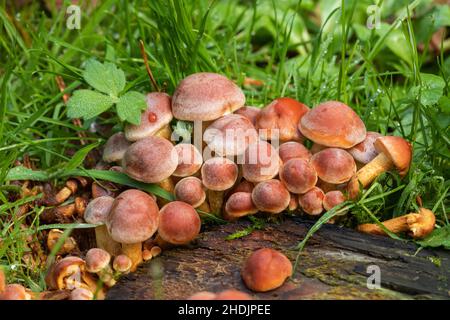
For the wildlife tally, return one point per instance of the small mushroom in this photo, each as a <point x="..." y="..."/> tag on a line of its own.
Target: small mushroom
<point x="122" y="264"/>
<point x="81" y="294"/>
<point x="97" y="262"/>
<point x="14" y="292"/>
<point x="179" y="223"/>
<point x="251" y="113"/>
<point x="365" y="151"/>
<point x="393" y="151"/>
<point x="115" y="148"/>
<point x="202" y="295"/>
<point x="417" y="225"/>
<point x="292" y="150"/>
<point x="190" y="190"/>
<point x="69" y="273"/>
<point x="133" y="218"/>
<point x="53" y="237"/>
<point x="298" y="175"/>
<point x="243" y="186"/>
<point x="271" y="196"/>
<point x="334" y="165"/>
<point x="97" y="212"/>
<point x="261" y="162"/>
<point x="239" y="204"/>
<point x="232" y="294"/>
<point x="189" y="160"/>
<point x="155" y="119"/>
<point x="332" y="199"/>
<point x="218" y="175"/>
<point x="266" y="269"/>
<point x="333" y="124"/>
<point x="312" y="201"/>
<point x="279" y="120"/>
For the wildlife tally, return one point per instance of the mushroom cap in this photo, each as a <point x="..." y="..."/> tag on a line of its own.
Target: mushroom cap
<point x="271" y="196"/>
<point x="98" y="209"/>
<point x="232" y="294"/>
<point x="332" y="199"/>
<point x="261" y="162"/>
<point x="190" y="190"/>
<point x="133" y="218"/>
<point x="230" y="135"/>
<point x="398" y="150"/>
<point x="219" y="174"/>
<point x="291" y="150"/>
<point x="364" y="152"/>
<point x="66" y="267"/>
<point x="243" y="186"/>
<point x="14" y="292"/>
<point x="81" y="294"/>
<point x="122" y="263"/>
<point x="150" y="160"/>
<point x="2" y="280"/>
<point x="334" y="165"/>
<point x="115" y="147"/>
<point x="96" y="260"/>
<point x="280" y="120"/>
<point x="202" y="295"/>
<point x="206" y="96"/>
<point x="422" y="223"/>
<point x="249" y="112"/>
<point x="266" y="269"/>
<point x="179" y="223"/>
<point x="189" y="160"/>
<point x="333" y="124"/>
<point x="316" y="148"/>
<point x="239" y="204"/>
<point x="155" y="117"/>
<point x="298" y="175"/>
<point x="312" y="201"/>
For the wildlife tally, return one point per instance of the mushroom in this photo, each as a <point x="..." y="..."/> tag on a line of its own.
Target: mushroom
<point x="53" y="237"/>
<point x="179" y="223"/>
<point x="14" y="292"/>
<point x="251" y="113"/>
<point x="365" y="151"/>
<point x="279" y="120"/>
<point x="239" y="204"/>
<point x="190" y="190"/>
<point x="293" y="202"/>
<point x="332" y="199"/>
<point x="312" y="201"/>
<point x="333" y="124"/>
<point x="232" y="294"/>
<point x="206" y="96"/>
<point x="230" y="135"/>
<point x="97" y="261"/>
<point x="298" y="175"/>
<point x="115" y="148"/>
<point x="271" y="196"/>
<point x="393" y="151"/>
<point x="189" y="160"/>
<point x="417" y="225"/>
<point x="260" y="162"/>
<point x="133" y="219"/>
<point x="316" y="148"/>
<point x="2" y="280"/>
<point x="155" y="119"/>
<point x="122" y="264"/>
<point x="218" y="175"/>
<point x="202" y="295"/>
<point x="291" y="150"/>
<point x="334" y="165"/>
<point x="81" y="294"/>
<point x="97" y="212"/>
<point x="243" y="186"/>
<point x="266" y="269"/>
<point x="69" y="273"/>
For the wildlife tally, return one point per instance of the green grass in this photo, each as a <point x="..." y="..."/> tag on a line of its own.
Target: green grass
<point x="309" y="50"/>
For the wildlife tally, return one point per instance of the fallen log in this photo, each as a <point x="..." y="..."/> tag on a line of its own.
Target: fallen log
<point x="335" y="264"/>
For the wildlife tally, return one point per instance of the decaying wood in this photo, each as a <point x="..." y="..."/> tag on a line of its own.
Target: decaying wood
<point x="333" y="265"/>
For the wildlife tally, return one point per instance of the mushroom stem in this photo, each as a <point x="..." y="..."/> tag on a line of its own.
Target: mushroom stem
<point x="215" y="199"/>
<point x="105" y="242"/>
<point x="381" y="163"/>
<point x="134" y="252"/>
<point x="418" y="225"/>
<point x="165" y="132"/>
<point x="204" y="207"/>
<point x="167" y="185"/>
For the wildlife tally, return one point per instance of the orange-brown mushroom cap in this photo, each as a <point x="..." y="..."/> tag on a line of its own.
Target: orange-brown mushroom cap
<point x="266" y="269"/>
<point x="98" y="210"/>
<point x="260" y="162"/>
<point x="398" y="150"/>
<point x="96" y="260"/>
<point x="150" y="160"/>
<point x="332" y="199"/>
<point x="230" y="135"/>
<point x="279" y="120"/>
<point x="312" y="201"/>
<point x="122" y="263"/>
<point x="15" y="292"/>
<point x="189" y="160"/>
<point x="155" y="117"/>
<point x="291" y="150"/>
<point x="271" y="196"/>
<point x="115" y="147"/>
<point x="133" y="218"/>
<point x="190" y="190"/>
<point x="365" y="151"/>
<point x="219" y="174"/>
<point x="238" y="205"/>
<point x="333" y="124"/>
<point x="298" y="175"/>
<point x="232" y="294"/>
<point x="251" y="113"/>
<point x="334" y="165"/>
<point x="179" y="223"/>
<point x="206" y="96"/>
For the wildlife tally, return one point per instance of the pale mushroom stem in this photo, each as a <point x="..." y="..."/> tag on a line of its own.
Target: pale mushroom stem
<point x="395" y="225"/>
<point x="105" y="242"/>
<point x="215" y="199"/>
<point x="381" y="163"/>
<point x="134" y="252"/>
<point x="165" y="132"/>
<point x="167" y="185"/>
<point x="204" y="207"/>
